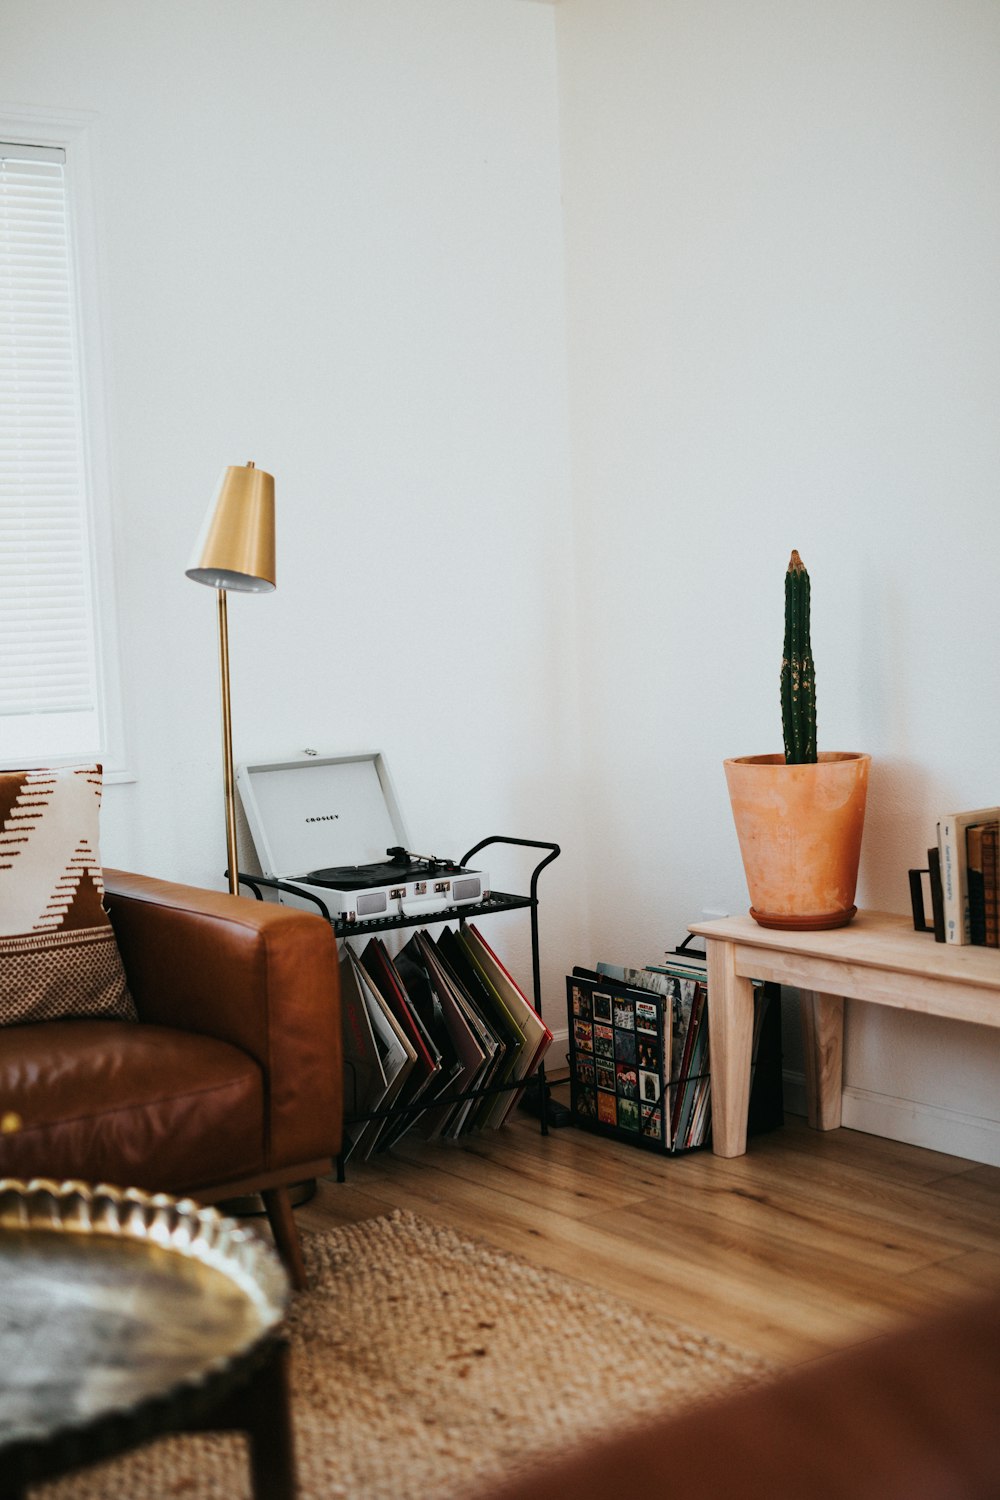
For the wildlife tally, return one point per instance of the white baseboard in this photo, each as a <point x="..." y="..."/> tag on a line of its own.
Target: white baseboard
<point x="927" y="1125"/>
<point x="556" y="1057"/>
<point x="793" y="1089"/>
<point x="948" y="1130"/>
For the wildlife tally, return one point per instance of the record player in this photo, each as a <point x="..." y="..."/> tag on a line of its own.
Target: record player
<point x="331" y="828"/>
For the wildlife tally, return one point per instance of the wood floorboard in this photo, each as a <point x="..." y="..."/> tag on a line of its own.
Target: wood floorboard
<point x="792" y="1230"/>
<point x="980" y="1185"/>
<point x="805" y="1287"/>
<point x="875" y="1218"/>
<point x="978" y="1270"/>
<point x="868" y="1156"/>
<point x="809" y="1242"/>
<point x="532" y="1175"/>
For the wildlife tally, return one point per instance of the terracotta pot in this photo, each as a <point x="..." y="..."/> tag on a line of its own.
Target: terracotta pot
<point x="800" y="830"/>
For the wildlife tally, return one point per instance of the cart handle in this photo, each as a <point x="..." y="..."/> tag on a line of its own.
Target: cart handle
<point x="554" y="852"/>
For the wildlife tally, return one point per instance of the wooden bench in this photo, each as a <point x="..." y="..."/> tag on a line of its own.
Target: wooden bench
<point x="878" y="959"/>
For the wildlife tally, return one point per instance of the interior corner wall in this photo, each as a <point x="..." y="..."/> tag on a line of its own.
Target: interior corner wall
<point x="330" y="240"/>
<point x="783" y="234"/>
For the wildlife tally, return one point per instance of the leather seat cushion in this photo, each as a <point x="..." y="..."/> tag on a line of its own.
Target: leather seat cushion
<point x="134" y="1105"/>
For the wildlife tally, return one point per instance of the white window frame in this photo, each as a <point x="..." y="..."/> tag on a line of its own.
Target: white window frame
<point x="72" y="131"/>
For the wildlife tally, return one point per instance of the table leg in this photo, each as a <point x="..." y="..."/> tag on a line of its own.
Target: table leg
<point x="730" y="1038"/>
<point x="261" y="1408"/>
<point x="823" y="1039"/>
<point x="268" y="1422"/>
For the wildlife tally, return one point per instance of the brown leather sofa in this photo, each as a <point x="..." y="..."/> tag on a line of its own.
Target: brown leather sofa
<point x="230" y="1084"/>
<point x="913" y="1415"/>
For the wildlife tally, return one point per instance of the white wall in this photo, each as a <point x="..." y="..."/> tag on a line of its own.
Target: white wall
<point x="783" y="236"/>
<point x="331" y="241"/>
<point x="332" y="238"/>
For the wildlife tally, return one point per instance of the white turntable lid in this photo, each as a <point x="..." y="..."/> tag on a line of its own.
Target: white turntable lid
<point x="309" y="814"/>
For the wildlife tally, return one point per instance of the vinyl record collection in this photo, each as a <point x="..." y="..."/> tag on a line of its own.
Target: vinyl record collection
<point x="426" y="1028"/>
<point x="639" y="1061"/>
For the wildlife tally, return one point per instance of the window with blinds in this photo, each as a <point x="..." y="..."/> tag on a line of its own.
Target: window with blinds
<point x="49" y="705"/>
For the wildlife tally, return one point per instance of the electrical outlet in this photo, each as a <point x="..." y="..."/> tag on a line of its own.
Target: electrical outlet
<point x="712" y="914"/>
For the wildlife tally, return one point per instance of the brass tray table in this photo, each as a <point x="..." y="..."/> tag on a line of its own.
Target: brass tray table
<point x="125" y="1316"/>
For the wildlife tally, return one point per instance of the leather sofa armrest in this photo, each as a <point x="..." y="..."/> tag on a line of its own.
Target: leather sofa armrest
<point x="263" y="977"/>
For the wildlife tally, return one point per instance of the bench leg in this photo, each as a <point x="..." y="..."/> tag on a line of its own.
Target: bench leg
<point x="730" y="1038"/>
<point x="823" y="1040"/>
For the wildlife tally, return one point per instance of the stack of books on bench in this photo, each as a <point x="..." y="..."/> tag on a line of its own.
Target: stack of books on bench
<point x="963" y="873"/>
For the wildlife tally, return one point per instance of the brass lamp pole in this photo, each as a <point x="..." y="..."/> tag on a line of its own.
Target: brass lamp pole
<point x="235" y="550"/>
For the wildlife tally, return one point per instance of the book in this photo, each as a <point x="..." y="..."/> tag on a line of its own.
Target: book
<point x="677" y="997"/>
<point x="365" y="1081"/>
<point x="465" y="1040"/>
<point x="647" y="979"/>
<point x="690" y="969"/>
<point x="425" y="1003"/>
<point x="474" y="1041"/>
<point x="384" y="980"/>
<point x="678" y="964"/>
<point x="619" y="1058"/>
<point x="475" y="1117"/>
<point x="505" y="1022"/>
<point x="693" y="1071"/>
<point x="455" y="957"/>
<point x="687" y="1019"/>
<point x="701" y="1116"/>
<point x="398" y="1058"/>
<point x="685" y="963"/>
<point x="976" y="885"/>
<point x="937" y="895"/>
<point x="537" y="1036"/>
<point x="991" y="883"/>
<point x="954" y="870"/>
<point x="684" y="1058"/>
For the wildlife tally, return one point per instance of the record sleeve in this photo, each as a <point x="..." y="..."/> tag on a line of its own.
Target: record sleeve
<point x="619" y="1056"/>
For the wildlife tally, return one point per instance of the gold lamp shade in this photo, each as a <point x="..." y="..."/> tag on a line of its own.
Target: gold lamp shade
<point x="236" y="547"/>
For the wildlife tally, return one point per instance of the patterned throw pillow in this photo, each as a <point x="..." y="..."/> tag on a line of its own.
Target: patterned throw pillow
<point x="58" y="955"/>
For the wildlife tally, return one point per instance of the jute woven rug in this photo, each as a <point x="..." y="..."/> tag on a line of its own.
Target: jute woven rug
<point x="427" y="1364"/>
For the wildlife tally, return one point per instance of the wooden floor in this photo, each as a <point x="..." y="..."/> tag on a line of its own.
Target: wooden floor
<point x="810" y="1242"/>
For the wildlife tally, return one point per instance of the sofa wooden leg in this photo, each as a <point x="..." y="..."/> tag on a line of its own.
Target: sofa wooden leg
<point x="286" y="1236"/>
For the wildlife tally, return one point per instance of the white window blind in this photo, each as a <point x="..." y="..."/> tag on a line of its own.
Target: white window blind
<point x="48" y="661"/>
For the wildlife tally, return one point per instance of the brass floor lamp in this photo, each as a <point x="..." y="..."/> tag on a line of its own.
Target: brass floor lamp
<point x="235" y="551"/>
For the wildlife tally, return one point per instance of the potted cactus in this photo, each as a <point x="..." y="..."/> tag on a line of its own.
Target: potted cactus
<point x="799" y="816"/>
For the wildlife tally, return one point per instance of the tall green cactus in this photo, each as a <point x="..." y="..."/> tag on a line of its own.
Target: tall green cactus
<point x="798" y="675"/>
